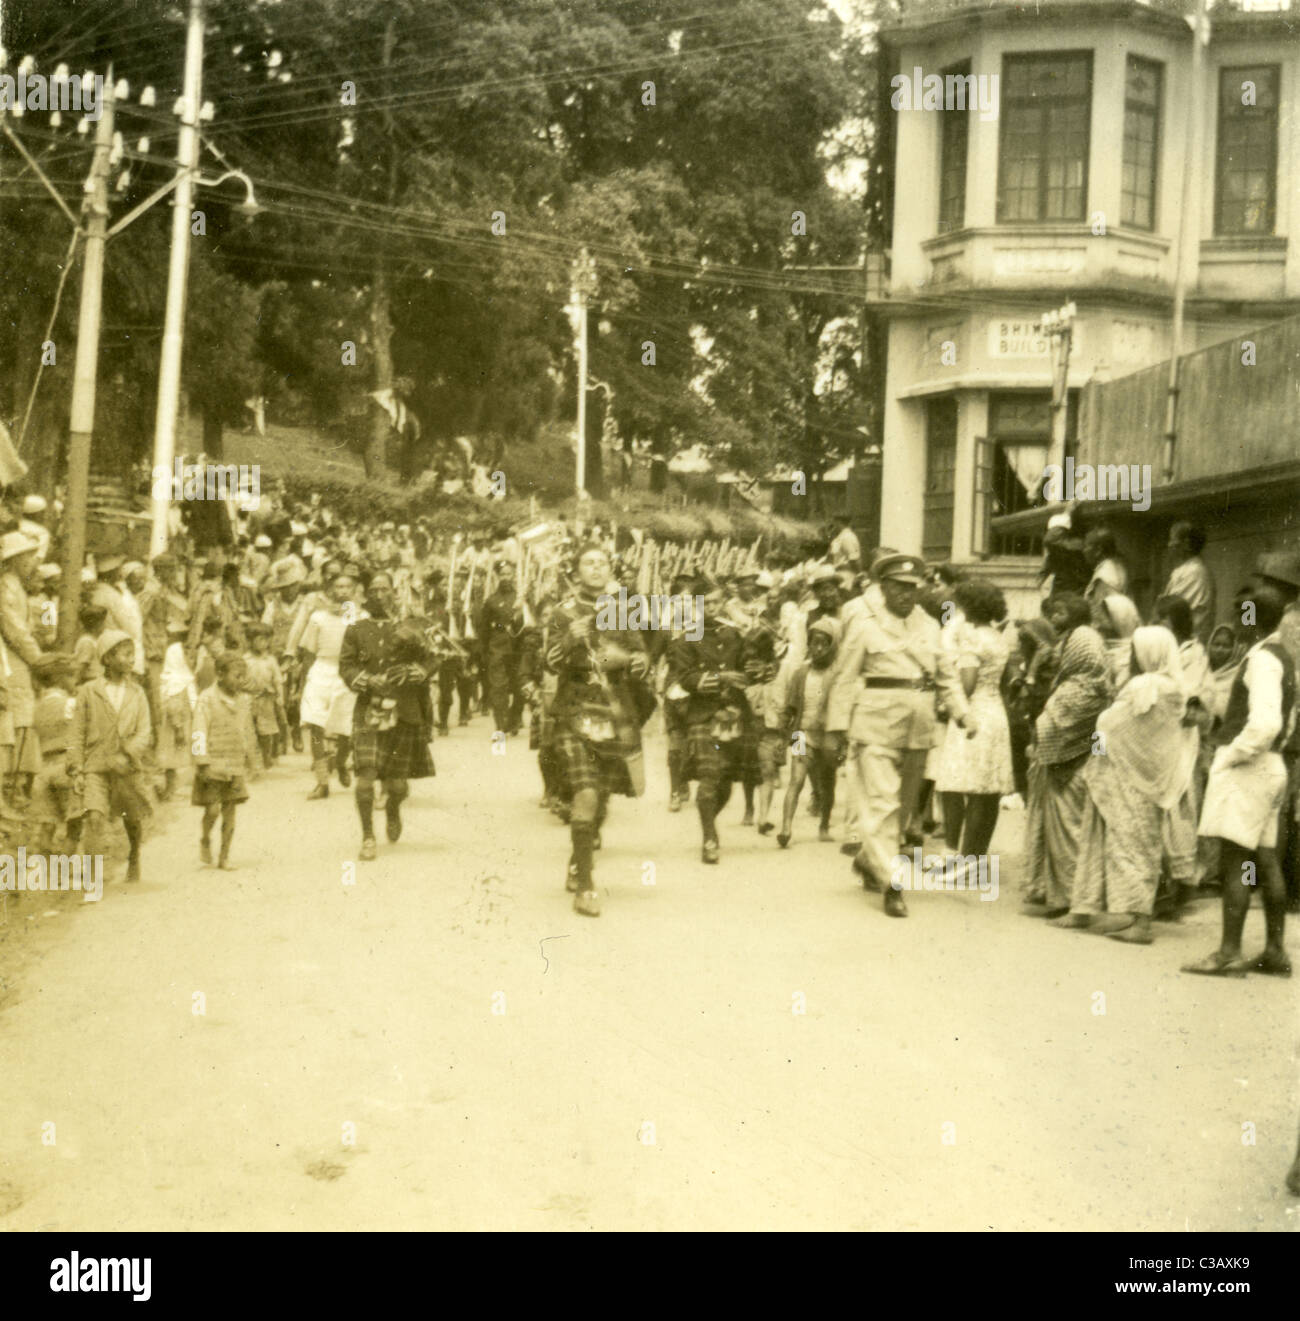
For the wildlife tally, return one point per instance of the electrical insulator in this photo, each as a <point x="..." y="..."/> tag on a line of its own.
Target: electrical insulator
<point x="122" y="89"/>
<point x="147" y="97"/>
<point x="206" y="112"/>
<point x="56" y="118"/>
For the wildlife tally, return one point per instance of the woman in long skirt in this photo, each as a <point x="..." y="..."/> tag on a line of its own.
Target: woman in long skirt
<point x="1138" y="808"/>
<point x="1063" y="742"/>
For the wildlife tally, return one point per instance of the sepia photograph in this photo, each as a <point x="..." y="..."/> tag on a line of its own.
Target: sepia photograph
<point x="649" y="616"/>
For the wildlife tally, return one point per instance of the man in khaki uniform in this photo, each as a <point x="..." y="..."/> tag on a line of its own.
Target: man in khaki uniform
<point x="882" y="700"/>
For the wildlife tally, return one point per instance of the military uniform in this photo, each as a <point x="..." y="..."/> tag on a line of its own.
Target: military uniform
<point x="598" y="710"/>
<point x="716" y="715"/>
<point x="500" y="626"/>
<point x="883" y="699"/>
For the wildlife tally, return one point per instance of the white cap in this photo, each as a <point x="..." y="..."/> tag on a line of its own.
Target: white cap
<point x="34" y="504"/>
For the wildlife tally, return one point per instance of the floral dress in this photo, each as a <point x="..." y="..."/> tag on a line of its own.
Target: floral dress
<point x="979" y="765"/>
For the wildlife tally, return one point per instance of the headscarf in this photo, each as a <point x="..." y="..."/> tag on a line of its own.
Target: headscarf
<point x="1146" y="742"/>
<point x="1123" y="614"/>
<point x="1219" y="684"/>
<point x="1156" y="651"/>
<point x="1079" y="694"/>
<point x="1124" y="619"/>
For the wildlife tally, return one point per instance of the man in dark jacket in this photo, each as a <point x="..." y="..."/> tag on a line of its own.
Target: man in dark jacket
<point x="388" y="664"/>
<point x="711" y="671"/>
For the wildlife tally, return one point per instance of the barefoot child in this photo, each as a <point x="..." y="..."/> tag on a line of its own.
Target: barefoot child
<point x="177" y="694"/>
<point x="806" y="714"/>
<point x="223" y="751"/>
<point x="265" y="690"/>
<point x="52" y="679"/>
<point x="107" y="749"/>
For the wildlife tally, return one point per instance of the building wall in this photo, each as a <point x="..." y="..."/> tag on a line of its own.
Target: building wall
<point x="954" y="291"/>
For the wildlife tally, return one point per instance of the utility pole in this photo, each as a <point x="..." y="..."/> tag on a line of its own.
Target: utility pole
<point x="1188" y="223"/>
<point x="82" y="422"/>
<point x="169" y="372"/>
<point x="584" y="286"/>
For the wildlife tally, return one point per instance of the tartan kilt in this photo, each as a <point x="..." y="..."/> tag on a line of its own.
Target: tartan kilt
<point x="587" y="765"/>
<point x="750" y="738"/>
<point x="712" y="762"/>
<point x="400" y="753"/>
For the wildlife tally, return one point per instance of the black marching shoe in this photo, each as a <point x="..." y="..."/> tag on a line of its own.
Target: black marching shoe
<point x="870" y="881"/>
<point x="894" y="904"/>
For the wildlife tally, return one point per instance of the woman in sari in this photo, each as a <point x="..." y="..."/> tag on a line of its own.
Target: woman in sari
<point x="1063" y="742"/>
<point x="1138" y="808"/>
<point x="1115" y="618"/>
<point x="1224" y="654"/>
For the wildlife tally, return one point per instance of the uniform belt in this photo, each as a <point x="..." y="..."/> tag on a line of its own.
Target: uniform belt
<point x="923" y="684"/>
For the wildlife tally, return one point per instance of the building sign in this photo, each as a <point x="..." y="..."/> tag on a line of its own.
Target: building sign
<point x="1011" y="338"/>
<point x="1010" y="262"/>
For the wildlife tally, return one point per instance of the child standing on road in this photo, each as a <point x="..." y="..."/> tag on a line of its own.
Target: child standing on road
<point x="107" y="750"/>
<point x="224" y="747"/>
<point x="177" y="694"/>
<point x="265" y="690"/>
<point x="52" y="721"/>
<point x="806" y="715"/>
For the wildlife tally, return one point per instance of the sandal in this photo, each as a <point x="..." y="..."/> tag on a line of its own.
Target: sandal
<point x="1071" y="921"/>
<point x="1133" y="935"/>
<point x="1215" y="965"/>
<point x="587" y="902"/>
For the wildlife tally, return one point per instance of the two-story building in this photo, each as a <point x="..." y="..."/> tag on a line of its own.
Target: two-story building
<point x="1065" y="182"/>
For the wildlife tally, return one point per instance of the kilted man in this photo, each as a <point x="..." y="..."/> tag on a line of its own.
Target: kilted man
<point x="709" y="670"/>
<point x="683" y="587"/>
<point x="601" y="701"/>
<point x="882" y="699"/>
<point x="1246" y="791"/>
<point x="388" y="665"/>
